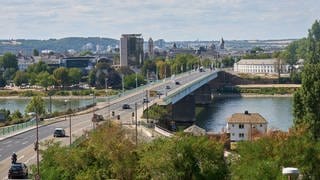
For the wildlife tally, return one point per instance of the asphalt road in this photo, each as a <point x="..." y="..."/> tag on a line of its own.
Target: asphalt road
<point x="24" y="142"/>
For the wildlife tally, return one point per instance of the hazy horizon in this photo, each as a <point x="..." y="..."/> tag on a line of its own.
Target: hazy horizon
<point x="172" y="20"/>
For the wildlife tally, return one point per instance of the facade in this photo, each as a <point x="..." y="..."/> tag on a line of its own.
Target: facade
<point x="83" y="63"/>
<point x="131" y="50"/>
<point x="150" y="48"/>
<point x="259" y="66"/>
<point x="246" y="126"/>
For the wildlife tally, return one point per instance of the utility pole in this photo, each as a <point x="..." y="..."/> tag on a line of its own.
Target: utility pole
<point x="122" y="79"/>
<point x="37" y="149"/>
<point x="136" y="118"/>
<point x="70" y="122"/>
<point x="147" y="106"/>
<point x="136" y="81"/>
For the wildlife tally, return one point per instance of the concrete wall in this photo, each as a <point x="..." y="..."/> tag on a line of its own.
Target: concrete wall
<point x="184" y="110"/>
<point x="202" y="95"/>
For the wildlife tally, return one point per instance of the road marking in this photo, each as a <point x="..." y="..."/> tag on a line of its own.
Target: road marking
<point x="20" y="157"/>
<point x="7" y="142"/>
<point x="27" y="161"/>
<point x="25" y="142"/>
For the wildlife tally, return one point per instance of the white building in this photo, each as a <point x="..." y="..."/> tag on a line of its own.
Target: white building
<point x="259" y="66"/>
<point x="246" y="126"/>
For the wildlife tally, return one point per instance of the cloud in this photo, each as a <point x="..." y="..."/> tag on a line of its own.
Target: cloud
<point x="168" y="19"/>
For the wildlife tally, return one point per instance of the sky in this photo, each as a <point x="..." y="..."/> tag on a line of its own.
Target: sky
<point x="172" y="20"/>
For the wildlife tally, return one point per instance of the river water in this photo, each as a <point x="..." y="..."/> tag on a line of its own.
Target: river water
<point x="276" y="110"/>
<point x="57" y="104"/>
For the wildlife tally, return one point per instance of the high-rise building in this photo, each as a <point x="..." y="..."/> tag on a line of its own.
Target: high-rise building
<point x="150" y="47"/>
<point x="131" y="50"/>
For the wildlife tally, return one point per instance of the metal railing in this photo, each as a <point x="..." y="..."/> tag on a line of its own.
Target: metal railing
<point x="16" y="127"/>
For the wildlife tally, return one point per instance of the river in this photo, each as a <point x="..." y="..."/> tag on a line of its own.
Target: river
<point x="276" y="110"/>
<point x="57" y="104"/>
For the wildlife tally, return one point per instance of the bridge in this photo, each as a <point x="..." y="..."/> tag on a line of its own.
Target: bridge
<point x="182" y="101"/>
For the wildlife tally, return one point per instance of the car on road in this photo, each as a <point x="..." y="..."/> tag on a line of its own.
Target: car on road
<point x="59" y="132"/>
<point x="177" y="83"/>
<point x="145" y="100"/>
<point x="125" y="106"/>
<point x="18" y="170"/>
<point x="168" y="87"/>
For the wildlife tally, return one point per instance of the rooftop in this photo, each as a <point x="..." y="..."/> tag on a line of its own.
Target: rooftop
<point x="247" y="118"/>
<point x="257" y="61"/>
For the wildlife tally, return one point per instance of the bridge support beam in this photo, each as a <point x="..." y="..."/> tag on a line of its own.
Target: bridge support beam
<point x="203" y="95"/>
<point x="183" y="112"/>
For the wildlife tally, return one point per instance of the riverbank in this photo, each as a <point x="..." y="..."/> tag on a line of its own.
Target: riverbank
<point x="53" y="97"/>
<point x="232" y="95"/>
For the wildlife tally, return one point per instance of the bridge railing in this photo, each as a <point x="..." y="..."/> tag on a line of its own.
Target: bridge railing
<point x="16" y="127"/>
<point x="168" y="99"/>
<point x="131" y="91"/>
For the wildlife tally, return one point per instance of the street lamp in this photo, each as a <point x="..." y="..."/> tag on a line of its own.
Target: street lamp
<point x="36" y="147"/>
<point x="66" y="101"/>
<point x="93" y="109"/>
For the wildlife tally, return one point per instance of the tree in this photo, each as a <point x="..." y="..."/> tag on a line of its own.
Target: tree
<point x="38" y="67"/>
<point x="74" y="75"/>
<point x="130" y="81"/>
<point x="182" y="157"/>
<point x="306" y="100"/>
<point x="35" y="52"/>
<point x="9" y="60"/>
<point x="20" y="78"/>
<point x="314" y="43"/>
<point x="36" y="105"/>
<point x="60" y="75"/>
<point x="6" y="114"/>
<point x="2" y="82"/>
<point x="45" y="80"/>
<point x="16" y="115"/>
<point x="9" y="73"/>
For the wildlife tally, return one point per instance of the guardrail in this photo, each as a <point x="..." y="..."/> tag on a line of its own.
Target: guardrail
<point x="11" y="129"/>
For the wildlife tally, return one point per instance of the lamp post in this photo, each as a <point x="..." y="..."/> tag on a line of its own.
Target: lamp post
<point x="36" y="146"/>
<point x="66" y="101"/>
<point x="93" y="108"/>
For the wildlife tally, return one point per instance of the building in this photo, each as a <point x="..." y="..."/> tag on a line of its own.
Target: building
<point x="246" y="126"/>
<point x="150" y="48"/>
<point x="131" y="50"/>
<point x="83" y="63"/>
<point x="260" y="66"/>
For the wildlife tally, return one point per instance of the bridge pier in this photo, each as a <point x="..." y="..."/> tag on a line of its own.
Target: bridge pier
<point x="203" y="95"/>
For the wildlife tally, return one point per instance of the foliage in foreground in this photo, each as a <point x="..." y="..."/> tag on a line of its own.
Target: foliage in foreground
<point x="110" y="154"/>
<point x="264" y="158"/>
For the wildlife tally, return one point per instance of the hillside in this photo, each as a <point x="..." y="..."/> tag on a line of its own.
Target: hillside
<point x="58" y="45"/>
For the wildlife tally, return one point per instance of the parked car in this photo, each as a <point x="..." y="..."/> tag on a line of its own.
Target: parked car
<point x="126" y="106"/>
<point x="59" y="132"/>
<point x="18" y="170"/>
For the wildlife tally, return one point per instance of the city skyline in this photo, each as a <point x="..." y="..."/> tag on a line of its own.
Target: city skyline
<point x="173" y="20"/>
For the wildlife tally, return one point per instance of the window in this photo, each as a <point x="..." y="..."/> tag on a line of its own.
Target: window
<point x="232" y="134"/>
<point x="241" y="135"/>
<point x="232" y="125"/>
<point x="241" y="126"/>
<point x="260" y="125"/>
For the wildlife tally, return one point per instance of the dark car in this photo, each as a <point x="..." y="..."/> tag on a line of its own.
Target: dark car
<point x="168" y="87"/>
<point x="126" y="106"/>
<point x="59" y="132"/>
<point x="145" y="100"/>
<point x="177" y="83"/>
<point x="18" y="170"/>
